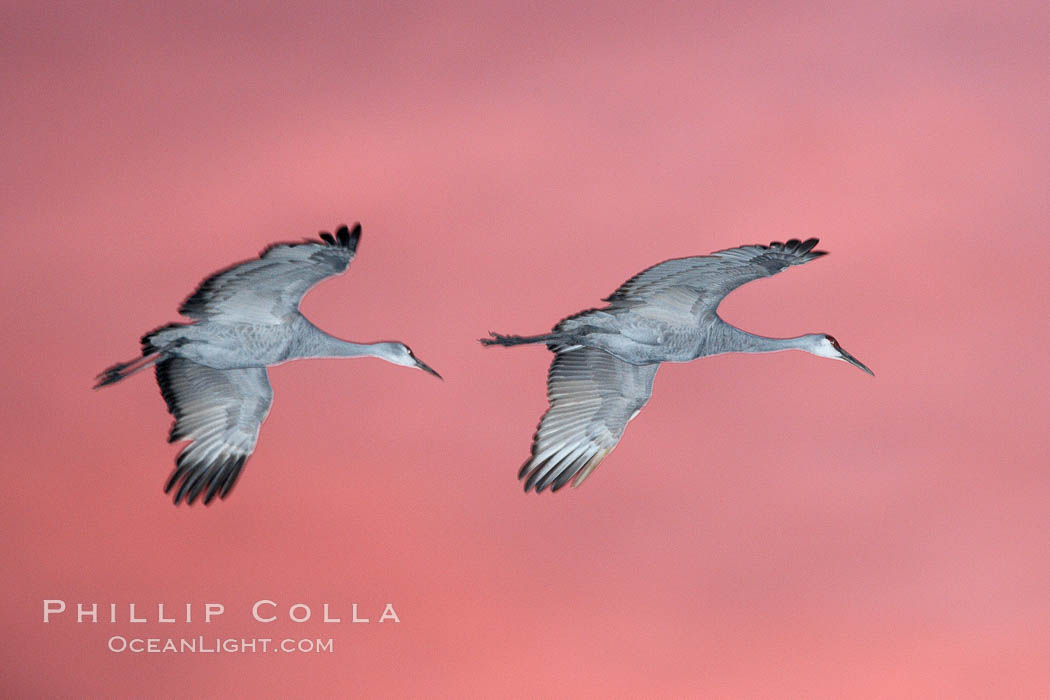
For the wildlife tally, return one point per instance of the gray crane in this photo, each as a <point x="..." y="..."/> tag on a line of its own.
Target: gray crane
<point x="212" y="373"/>
<point x="605" y="359"/>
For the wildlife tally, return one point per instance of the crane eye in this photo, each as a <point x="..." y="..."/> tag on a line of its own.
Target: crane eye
<point x="832" y="340"/>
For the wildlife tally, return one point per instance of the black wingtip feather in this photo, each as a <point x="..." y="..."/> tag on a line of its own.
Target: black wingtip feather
<point x="349" y="237"/>
<point x="799" y="248"/>
<point x="198" y="485"/>
<point x="327" y="238"/>
<point x="217" y="477"/>
<point x="163" y="370"/>
<point x="203" y="480"/>
<point x="231" y="477"/>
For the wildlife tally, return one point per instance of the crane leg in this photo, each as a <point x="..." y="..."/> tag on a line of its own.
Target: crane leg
<point x="123" y="370"/>
<point x="508" y="340"/>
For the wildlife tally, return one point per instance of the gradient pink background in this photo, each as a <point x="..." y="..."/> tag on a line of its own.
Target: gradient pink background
<point x="770" y="526"/>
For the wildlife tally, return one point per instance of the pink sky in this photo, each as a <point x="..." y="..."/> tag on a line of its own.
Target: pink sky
<point x="769" y="526"/>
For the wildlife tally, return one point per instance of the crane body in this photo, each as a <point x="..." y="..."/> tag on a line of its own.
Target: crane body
<point x="606" y="358"/>
<point x="212" y="371"/>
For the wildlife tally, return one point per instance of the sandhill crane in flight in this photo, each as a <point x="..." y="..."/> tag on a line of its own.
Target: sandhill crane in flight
<point x="605" y="359"/>
<point x="212" y="373"/>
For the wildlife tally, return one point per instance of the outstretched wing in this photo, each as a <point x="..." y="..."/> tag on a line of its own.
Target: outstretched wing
<point x="267" y="289"/>
<point x="220" y="411"/>
<point x="698" y="284"/>
<point x="592" y="397"/>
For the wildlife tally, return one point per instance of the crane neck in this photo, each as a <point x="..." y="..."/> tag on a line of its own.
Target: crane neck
<point x="737" y="340"/>
<point x="311" y="342"/>
<point x="330" y="346"/>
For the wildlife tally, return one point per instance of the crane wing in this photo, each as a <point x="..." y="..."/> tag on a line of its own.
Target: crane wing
<point x="268" y="288"/>
<point x="220" y="411"/>
<point x="698" y="284"/>
<point x="592" y="397"/>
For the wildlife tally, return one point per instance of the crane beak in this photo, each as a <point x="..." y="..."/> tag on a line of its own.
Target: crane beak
<point x="427" y="368"/>
<point x="854" y="361"/>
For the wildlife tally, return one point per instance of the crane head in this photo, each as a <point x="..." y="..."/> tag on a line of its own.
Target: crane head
<point x="826" y="346"/>
<point x="401" y="354"/>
